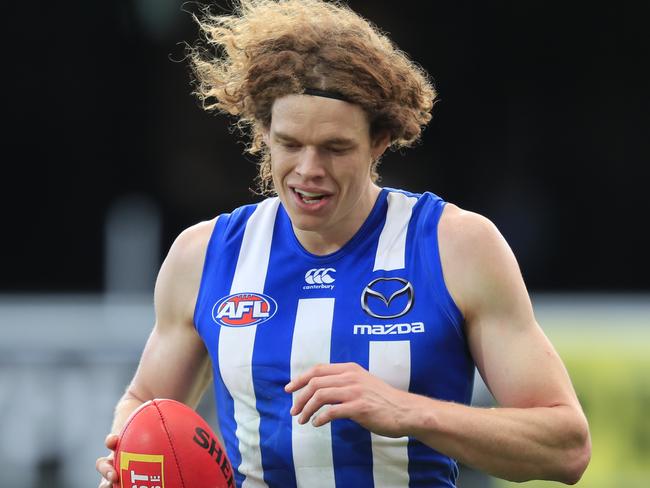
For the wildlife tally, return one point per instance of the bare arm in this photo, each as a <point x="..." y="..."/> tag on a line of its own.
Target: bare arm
<point x="174" y="363"/>
<point x="538" y="432"/>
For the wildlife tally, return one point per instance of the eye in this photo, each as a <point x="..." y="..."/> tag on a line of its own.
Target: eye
<point x="338" y="150"/>
<point x="291" y="146"/>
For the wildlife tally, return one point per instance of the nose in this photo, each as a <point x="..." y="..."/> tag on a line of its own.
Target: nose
<point x="310" y="164"/>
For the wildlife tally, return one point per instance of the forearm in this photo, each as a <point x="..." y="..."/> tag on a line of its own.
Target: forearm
<point x="512" y="443"/>
<point x="125" y="406"/>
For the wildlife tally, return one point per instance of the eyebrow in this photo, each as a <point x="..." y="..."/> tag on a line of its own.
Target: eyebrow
<point x="337" y="140"/>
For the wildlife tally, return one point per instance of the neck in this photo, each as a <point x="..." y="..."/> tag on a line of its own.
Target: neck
<point x="329" y="240"/>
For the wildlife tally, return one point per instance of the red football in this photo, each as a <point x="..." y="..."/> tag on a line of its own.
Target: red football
<point x="166" y="444"/>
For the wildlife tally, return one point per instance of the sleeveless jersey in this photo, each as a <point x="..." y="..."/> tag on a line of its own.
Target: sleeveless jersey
<point x="268" y="310"/>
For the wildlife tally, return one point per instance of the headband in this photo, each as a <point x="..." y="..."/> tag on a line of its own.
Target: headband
<point x="315" y="92"/>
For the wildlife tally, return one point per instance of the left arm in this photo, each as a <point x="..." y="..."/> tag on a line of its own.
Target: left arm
<point x="539" y="432"/>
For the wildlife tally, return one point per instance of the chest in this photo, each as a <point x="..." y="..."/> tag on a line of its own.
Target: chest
<point x="341" y="311"/>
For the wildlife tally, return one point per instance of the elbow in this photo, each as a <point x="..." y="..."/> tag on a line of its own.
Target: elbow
<point x="578" y="465"/>
<point x="578" y="455"/>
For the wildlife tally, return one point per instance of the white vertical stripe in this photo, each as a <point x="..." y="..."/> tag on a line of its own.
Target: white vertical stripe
<point x="312" y="446"/>
<point x="390" y="361"/>
<point x="236" y="343"/>
<point x="255" y="249"/>
<point x="391" y="249"/>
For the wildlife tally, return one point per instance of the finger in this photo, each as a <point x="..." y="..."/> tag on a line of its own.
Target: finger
<point x="105" y="483"/>
<point x="339" y="411"/>
<point x="316" y="371"/>
<point x="325" y="396"/>
<point x="104" y="466"/>
<point x="313" y="386"/>
<point x="111" y="441"/>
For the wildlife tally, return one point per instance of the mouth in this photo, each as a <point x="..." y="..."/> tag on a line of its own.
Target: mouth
<point x="308" y="197"/>
<point x="310" y="200"/>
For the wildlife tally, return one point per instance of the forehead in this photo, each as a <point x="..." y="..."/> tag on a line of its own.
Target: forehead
<point x="320" y="117"/>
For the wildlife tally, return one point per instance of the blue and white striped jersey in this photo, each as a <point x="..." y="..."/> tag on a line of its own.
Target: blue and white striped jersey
<point x="268" y="310"/>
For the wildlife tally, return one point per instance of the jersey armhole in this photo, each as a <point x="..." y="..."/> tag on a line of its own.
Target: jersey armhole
<point x="446" y="301"/>
<point x="209" y="252"/>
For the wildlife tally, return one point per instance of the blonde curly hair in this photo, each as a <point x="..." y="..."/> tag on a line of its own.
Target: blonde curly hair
<point x="271" y="48"/>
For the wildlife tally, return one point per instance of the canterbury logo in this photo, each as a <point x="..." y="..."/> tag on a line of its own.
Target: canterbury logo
<point x="320" y="276"/>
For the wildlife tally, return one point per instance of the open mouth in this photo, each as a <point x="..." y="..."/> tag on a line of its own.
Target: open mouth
<point x="308" y="197"/>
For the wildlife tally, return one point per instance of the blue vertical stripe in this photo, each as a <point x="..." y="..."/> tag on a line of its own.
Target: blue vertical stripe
<point x="226" y="418"/>
<point x="352" y="449"/>
<point x="219" y="268"/>
<point x="271" y="367"/>
<point x="441" y="365"/>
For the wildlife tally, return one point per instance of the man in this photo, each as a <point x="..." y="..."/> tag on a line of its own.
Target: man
<point x="341" y="321"/>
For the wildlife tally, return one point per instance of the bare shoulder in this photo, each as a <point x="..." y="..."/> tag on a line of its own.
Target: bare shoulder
<point x="188" y="250"/>
<point x="462" y="227"/>
<point x="479" y="266"/>
<point x="175" y="362"/>
<point x="180" y="274"/>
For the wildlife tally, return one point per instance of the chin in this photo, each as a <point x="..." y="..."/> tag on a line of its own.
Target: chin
<point x="306" y="223"/>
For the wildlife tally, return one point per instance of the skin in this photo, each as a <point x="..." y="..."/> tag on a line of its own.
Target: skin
<point x="540" y="430"/>
<point x="174" y="363"/>
<point x="323" y="146"/>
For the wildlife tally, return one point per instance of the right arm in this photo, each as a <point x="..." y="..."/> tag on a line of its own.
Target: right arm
<point x="174" y="363"/>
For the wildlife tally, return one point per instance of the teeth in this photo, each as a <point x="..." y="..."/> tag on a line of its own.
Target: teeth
<point x="308" y="193"/>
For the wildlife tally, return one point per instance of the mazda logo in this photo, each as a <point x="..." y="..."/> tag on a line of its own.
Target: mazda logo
<point x="368" y="291"/>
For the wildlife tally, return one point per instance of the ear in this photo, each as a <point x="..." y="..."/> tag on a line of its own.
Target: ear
<point x="379" y="144"/>
<point x="266" y="136"/>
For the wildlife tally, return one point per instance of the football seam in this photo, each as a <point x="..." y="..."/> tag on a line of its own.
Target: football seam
<point x="178" y="465"/>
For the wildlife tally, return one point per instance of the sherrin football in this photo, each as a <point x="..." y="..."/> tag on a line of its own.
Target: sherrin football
<point x="166" y="444"/>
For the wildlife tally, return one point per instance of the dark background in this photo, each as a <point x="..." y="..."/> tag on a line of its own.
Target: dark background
<point x="543" y="126"/>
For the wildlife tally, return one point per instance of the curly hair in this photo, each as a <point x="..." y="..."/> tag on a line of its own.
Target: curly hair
<point x="271" y="48"/>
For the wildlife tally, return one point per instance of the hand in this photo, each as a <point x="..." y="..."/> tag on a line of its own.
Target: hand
<point x="353" y="393"/>
<point x="104" y="465"/>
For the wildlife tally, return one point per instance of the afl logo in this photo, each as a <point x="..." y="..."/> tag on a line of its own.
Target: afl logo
<point x="244" y="309"/>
